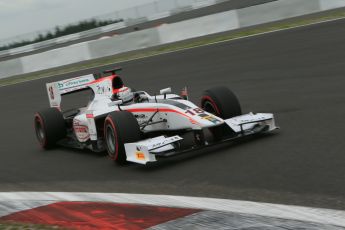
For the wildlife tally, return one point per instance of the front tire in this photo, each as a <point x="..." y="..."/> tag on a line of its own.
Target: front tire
<point x="223" y="103"/>
<point x="120" y="128"/>
<point x="49" y="127"/>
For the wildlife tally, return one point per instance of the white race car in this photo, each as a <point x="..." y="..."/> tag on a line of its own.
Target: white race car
<point x="137" y="127"/>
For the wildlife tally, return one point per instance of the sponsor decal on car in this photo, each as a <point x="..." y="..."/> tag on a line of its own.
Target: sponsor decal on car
<point x="140" y="116"/>
<point x="140" y="156"/>
<point x="51" y="93"/>
<point x="73" y="83"/>
<point x="209" y="118"/>
<point x="201" y="113"/>
<point x="103" y="89"/>
<point x="81" y="131"/>
<point x="165" y="142"/>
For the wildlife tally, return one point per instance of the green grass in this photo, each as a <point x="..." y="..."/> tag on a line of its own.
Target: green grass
<point x="172" y="47"/>
<point x="22" y="226"/>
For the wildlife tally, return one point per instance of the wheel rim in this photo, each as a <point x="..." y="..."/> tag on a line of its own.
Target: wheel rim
<point x="111" y="141"/>
<point x="39" y="130"/>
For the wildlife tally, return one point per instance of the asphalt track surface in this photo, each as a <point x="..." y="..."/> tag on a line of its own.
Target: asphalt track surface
<point x="297" y="74"/>
<point x="217" y="8"/>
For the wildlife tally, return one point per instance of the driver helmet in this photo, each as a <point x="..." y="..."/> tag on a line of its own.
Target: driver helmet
<point x="125" y="94"/>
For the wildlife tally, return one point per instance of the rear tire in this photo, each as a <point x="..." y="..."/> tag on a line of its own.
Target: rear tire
<point x="49" y="127"/>
<point x="223" y="103"/>
<point x="120" y="128"/>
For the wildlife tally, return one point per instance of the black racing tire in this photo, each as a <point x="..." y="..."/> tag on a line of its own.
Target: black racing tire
<point x="49" y="127"/>
<point x="223" y="103"/>
<point x="120" y="128"/>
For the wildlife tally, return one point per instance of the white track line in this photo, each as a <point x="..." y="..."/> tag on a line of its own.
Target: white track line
<point x="13" y="206"/>
<point x="194" y="47"/>
<point x="316" y="215"/>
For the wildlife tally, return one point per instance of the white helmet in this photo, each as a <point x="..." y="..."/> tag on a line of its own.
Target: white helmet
<point x="125" y="94"/>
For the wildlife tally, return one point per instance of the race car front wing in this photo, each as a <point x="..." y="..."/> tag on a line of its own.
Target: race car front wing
<point x="145" y="151"/>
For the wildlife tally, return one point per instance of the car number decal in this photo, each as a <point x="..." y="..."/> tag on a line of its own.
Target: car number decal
<point x="201" y="113"/>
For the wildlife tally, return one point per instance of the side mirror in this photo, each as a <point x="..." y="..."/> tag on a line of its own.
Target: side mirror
<point x="144" y="97"/>
<point x="165" y="91"/>
<point x="115" y="103"/>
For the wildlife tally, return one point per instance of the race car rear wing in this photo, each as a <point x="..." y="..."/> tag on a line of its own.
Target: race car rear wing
<point x="57" y="89"/>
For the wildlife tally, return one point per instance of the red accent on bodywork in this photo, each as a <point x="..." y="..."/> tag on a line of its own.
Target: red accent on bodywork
<point x="164" y="111"/>
<point x="89" y="116"/>
<point x="123" y="89"/>
<point x="102" y="79"/>
<point x="97" y="215"/>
